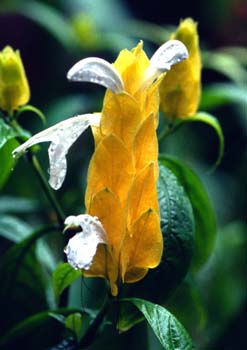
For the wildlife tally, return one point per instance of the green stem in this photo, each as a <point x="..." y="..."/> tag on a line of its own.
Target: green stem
<point x="169" y="129"/>
<point x="92" y="330"/>
<point x="36" y="166"/>
<point x="39" y="172"/>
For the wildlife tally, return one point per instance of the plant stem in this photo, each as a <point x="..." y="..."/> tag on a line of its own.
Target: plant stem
<point x="38" y="170"/>
<point x="92" y="330"/>
<point x="35" y="163"/>
<point x="168" y="130"/>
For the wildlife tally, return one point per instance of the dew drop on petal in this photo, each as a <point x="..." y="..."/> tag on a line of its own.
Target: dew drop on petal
<point x="96" y="70"/>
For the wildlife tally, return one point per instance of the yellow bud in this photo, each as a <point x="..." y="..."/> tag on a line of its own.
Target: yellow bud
<point x="180" y="89"/>
<point x="14" y="88"/>
<point x="85" y="30"/>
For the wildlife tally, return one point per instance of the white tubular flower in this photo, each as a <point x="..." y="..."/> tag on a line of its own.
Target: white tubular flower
<point x="62" y="136"/>
<point x="96" y="70"/>
<point x="81" y="249"/>
<point x="167" y="55"/>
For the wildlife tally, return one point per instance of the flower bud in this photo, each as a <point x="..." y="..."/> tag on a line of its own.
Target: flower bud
<point x="180" y="89"/>
<point x="14" y="88"/>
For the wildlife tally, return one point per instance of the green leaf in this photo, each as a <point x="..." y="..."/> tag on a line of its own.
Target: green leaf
<point x="62" y="277"/>
<point x="205" y="226"/>
<point x="74" y="323"/>
<point x="177" y="225"/>
<point x="13" y="228"/>
<point x="166" y="327"/>
<point x="213" y="122"/>
<point x="13" y="204"/>
<point x="129" y="316"/>
<point x="186" y="298"/>
<point x="33" y="109"/>
<point x="23" y="283"/>
<point x="225" y="64"/>
<point x="7" y="145"/>
<point x="7" y="161"/>
<point x="7" y="132"/>
<point x="222" y="94"/>
<point x="34" y="322"/>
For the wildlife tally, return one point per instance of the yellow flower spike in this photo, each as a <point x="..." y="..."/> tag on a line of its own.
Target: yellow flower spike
<point x="14" y="88"/>
<point x="180" y="89"/>
<point x="122" y="224"/>
<point x="121" y="189"/>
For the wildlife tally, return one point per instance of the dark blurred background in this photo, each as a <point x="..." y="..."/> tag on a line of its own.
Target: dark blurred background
<point x="53" y="35"/>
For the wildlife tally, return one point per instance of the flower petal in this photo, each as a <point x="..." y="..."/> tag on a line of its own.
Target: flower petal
<point x="62" y="136"/>
<point x="168" y="54"/>
<point x="96" y="70"/>
<point x="81" y="249"/>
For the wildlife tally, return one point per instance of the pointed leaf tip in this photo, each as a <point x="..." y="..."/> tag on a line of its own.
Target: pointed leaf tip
<point x="170" y="332"/>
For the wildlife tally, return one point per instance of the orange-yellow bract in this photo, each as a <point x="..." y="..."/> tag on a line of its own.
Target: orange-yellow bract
<point x="121" y="189"/>
<point x="180" y="89"/>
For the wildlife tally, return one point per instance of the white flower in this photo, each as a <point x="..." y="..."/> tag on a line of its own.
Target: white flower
<point x="62" y="136"/>
<point x="81" y="249"/>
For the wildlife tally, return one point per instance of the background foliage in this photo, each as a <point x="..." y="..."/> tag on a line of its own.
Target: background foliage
<point x="209" y="300"/>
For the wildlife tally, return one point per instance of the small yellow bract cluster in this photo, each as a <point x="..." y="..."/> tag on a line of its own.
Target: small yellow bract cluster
<point x="14" y="88"/>
<point x="180" y="90"/>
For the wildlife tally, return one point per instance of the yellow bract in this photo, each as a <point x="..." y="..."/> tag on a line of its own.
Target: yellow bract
<point x="14" y="88"/>
<point x="121" y="189"/>
<point x="180" y="89"/>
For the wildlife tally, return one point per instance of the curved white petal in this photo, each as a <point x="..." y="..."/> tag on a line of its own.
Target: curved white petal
<point x="167" y="55"/>
<point x="62" y="136"/>
<point x="81" y="249"/>
<point x="96" y="70"/>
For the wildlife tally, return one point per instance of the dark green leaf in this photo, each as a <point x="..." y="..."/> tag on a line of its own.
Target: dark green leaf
<point x="166" y="327"/>
<point x="205" y="226"/>
<point x="34" y="322"/>
<point x="23" y="282"/>
<point x="62" y="277"/>
<point x="213" y="122"/>
<point x="74" y="323"/>
<point x="177" y="225"/>
<point x="129" y="316"/>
